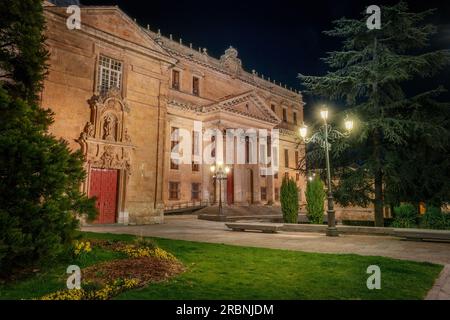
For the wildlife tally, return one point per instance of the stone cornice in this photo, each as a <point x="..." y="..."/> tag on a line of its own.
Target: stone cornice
<point x="58" y="16"/>
<point x="227" y="106"/>
<point x="207" y="61"/>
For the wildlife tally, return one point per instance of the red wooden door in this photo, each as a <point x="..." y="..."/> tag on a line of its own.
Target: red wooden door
<point x="230" y="187"/>
<point x="103" y="185"/>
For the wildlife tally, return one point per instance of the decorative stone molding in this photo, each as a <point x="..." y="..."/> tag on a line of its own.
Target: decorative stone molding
<point x="230" y="61"/>
<point x="105" y="140"/>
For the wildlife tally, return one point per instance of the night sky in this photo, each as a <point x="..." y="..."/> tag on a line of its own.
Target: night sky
<point x="276" y="38"/>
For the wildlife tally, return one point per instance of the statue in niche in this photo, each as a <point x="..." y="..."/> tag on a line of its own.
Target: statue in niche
<point x="89" y="129"/>
<point x="109" y="128"/>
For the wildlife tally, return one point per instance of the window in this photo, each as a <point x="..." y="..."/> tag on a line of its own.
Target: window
<point x="195" y="86"/>
<point x="176" y="79"/>
<point x="264" y="193"/>
<point x="295" y="118"/>
<point x="109" y="74"/>
<point x="195" y="191"/>
<point x="286" y="158"/>
<point x="277" y="194"/>
<point x="195" y="167"/>
<point x="247" y="150"/>
<point x="286" y="175"/>
<point x="272" y="106"/>
<point x="174" y="190"/>
<point x="284" y="115"/>
<point x="174" y="147"/>
<point x="213" y="146"/>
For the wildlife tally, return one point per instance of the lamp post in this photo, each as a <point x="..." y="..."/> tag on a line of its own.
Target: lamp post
<point x="220" y="173"/>
<point x="322" y="137"/>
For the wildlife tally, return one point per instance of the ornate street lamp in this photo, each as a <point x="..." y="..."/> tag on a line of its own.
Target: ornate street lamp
<point x="322" y="138"/>
<point x="220" y="173"/>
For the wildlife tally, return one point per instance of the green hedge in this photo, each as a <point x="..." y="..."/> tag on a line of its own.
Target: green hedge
<point x="289" y="201"/>
<point x="315" y="201"/>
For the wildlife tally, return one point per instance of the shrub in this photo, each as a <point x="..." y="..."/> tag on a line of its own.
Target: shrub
<point x="40" y="176"/>
<point x="39" y="188"/>
<point x="109" y="291"/>
<point x="289" y="201"/>
<point x="145" y="242"/>
<point x="405" y="216"/>
<point x="315" y="198"/>
<point x="434" y="218"/>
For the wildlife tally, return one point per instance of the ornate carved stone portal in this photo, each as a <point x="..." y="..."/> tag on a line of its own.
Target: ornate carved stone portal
<point x="105" y="141"/>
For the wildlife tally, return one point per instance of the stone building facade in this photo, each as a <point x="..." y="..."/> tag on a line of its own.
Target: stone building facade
<point x="121" y="93"/>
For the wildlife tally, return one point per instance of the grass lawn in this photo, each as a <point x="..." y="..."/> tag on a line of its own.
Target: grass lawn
<point x="217" y="271"/>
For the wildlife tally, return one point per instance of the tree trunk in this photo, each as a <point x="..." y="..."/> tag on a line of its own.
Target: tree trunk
<point x="379" y="214"/>
<point x="378" y="202"/>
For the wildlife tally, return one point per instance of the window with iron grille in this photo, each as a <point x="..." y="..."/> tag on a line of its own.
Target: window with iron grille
<point x="109" y="74"/>
<point x="174" y="147"/>
<point x="195" y="191"/>
<point x="195" y="86"/>
<point x="174" y="190"/>
<point x="264" y="193"/>
<point x="176" y="79"/>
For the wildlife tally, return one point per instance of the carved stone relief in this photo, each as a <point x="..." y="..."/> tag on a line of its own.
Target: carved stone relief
<point x="105" y="140"/>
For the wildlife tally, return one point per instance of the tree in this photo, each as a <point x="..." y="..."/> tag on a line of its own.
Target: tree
<point x="40" y="177"/>
<point x="370" y="73"/>
<point x="289" y="200"/>
<point x="315" y="200"/>
<point x="22" y="54"/>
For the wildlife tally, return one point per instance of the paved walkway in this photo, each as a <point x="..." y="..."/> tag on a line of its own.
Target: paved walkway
<point x="192" y="229"/>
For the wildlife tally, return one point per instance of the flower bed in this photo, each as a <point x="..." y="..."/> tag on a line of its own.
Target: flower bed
<point x="143" y="263"/>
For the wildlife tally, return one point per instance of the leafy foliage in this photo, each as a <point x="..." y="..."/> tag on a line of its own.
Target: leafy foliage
<point x="434" y="218"/>
<point x="405" y="216"/>
<point x="22" y="55"/>
<point x="315" y="199"/>
<point x="40" y="177"/>
<point x="397" y="134"/>
<point x="289" y="200"/>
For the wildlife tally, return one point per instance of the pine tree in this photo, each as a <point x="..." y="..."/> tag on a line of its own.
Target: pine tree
<point x="40" y="177"/>
<point x="369" y="73"/>
<point x="22" y="55"/>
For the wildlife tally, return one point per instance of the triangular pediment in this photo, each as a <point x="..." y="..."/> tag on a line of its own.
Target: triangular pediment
<point x="112" y="20"/>
<point x="248" y="104"/>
